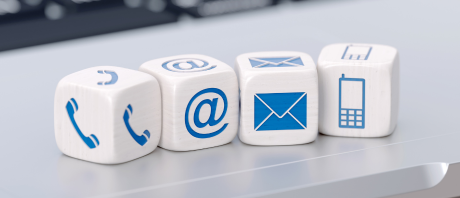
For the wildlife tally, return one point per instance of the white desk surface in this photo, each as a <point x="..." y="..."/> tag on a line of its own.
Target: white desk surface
<point x="416" y="156"/>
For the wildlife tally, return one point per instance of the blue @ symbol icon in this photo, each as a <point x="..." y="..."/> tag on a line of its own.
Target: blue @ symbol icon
<point x="187" y="65"/>
<point x="211" y="121"/>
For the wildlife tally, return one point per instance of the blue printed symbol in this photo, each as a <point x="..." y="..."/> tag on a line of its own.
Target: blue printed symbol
<point x="357" y="52"/>
<point x="72" y="107"/>
<point x="140" y="139"/>
<point x="351" y="102"/>
<point x="112" y="81"/>
<point x="212" y="117"/>
<point x="280" y="111"/>
<point x="276" y="62"/>
<point x="187" y="65"/>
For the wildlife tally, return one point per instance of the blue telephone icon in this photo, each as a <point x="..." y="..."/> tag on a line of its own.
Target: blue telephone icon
<point x="112" y="81"/>
<point x="140" y="139"/>
<point x="91" y="141"/>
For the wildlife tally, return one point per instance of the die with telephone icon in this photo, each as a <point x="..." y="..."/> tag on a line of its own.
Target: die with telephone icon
<point x="95" y="118"/>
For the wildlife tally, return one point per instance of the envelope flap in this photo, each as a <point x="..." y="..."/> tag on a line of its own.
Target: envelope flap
<point x="289" y="61"/>
<point x="280" y="102"/>
<point x="275" y="60"/>
<point x="255" y="62"/>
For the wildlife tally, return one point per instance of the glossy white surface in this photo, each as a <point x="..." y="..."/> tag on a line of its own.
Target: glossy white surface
<point x="200" y="101"/>
<point x="377" y="185"/>
<point x="94" y="103"/>
<point x="293" y="77"/>
<point x="427" y="131"/>
<point x="359" y="90"/>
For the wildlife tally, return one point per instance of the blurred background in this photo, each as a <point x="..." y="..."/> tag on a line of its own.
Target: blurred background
<point x="32" y="22"/>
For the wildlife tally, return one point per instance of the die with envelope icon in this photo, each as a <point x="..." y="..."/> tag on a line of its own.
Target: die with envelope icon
<point x="278" y="98"/>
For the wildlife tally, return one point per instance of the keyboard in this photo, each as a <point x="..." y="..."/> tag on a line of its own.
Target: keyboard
<point x="32" y="22"/>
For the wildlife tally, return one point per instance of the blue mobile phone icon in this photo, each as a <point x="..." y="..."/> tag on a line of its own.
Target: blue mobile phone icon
<point x="357" y="52"/>
<point x="140" y="139"/>
<point x="91" y="141"/>
<point x="352" y="102"/>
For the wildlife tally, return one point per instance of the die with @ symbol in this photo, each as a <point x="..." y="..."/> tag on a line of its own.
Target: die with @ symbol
<point x="279" y="98"/>
<point x="359" y="90"/>
<point x="200" y="101"/>
<point x="107" y="114"/>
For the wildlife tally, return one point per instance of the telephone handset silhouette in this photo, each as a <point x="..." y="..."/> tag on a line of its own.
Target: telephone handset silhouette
<point x="91" y="141"/>
<point x="140" y="139"/>
<point x="112" y="81"/>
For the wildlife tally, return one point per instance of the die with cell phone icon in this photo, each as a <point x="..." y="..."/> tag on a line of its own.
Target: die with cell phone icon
<point x="200" y="101"/>
<point x="359" y="90"/>
<point x="107" y="114"/>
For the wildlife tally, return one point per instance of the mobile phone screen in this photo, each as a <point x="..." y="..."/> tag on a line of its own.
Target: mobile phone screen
<point x="352" y="94"/>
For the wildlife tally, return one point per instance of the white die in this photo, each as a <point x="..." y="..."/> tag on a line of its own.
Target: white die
<point x="107" y="114"/>
<point x="200" y="101"/>
<point x="279" y="98"/>
<point x="359" y="90"/>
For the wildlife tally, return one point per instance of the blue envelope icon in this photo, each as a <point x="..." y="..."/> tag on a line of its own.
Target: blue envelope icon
<point x="280" y="111"/>
<point x="293" y="61"/>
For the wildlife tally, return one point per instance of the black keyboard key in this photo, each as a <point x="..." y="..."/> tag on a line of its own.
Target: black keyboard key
<point x="12" y="7"/>
<point x="204" y="8"/>
<point x="12" y="11"/>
